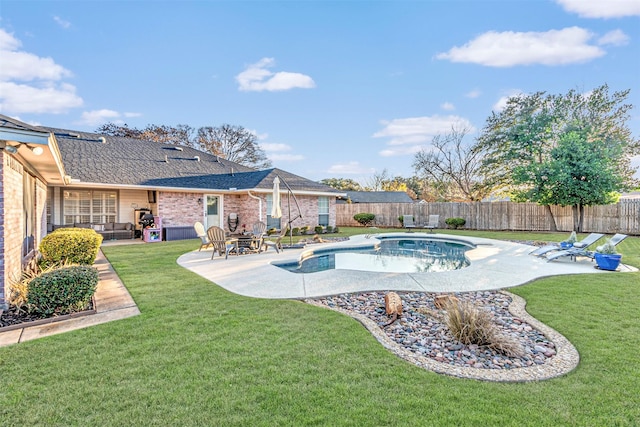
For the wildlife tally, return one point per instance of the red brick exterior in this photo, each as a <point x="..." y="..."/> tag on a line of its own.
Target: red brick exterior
<point x="12" y="219"/>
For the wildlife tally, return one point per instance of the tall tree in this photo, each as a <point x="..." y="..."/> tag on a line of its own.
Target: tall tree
<point x="179" y="135"/>
<point x="526" y="146"/>
<point x="233" y="143"/>
<point x="453" y="166"/>
<point x="343" y="184"/>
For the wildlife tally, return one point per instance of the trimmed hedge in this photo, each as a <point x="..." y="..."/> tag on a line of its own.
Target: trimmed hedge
<point x="74" y="245"/>
<point x="455" y="222"/>
<point x="62" y="291"/>
<point x="365" y="219"/>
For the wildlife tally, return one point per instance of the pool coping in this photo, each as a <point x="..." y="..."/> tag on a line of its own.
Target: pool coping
<point x="495" y="265"/>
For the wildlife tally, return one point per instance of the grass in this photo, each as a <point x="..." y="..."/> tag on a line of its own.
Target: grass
<point x="199" y="355"/>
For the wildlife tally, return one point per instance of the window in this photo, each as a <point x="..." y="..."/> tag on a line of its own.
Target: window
<point x="271" y="222"/>
<point x="323" y="211"/>
<point x="87" y="206"/>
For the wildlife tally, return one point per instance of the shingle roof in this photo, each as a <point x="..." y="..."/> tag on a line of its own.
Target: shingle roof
<point x="8" y="122"/>
<point x="95" y="158"/>
<point x="378" y="197"/>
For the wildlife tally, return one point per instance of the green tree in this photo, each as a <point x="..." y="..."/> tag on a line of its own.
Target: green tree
<point x="343" y="184"/>
<point x="583" y="173"/>
<point x="526" y="143"/>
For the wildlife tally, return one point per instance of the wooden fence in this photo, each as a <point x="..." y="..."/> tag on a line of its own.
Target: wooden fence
<point x="623" y="217"/>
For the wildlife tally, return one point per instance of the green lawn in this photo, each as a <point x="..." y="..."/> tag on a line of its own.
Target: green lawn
<point x="199" y="355"/>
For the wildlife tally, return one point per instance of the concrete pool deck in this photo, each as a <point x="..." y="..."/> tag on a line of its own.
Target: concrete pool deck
<point x="495" y="264"/>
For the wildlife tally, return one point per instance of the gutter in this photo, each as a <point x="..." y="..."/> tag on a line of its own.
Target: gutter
<point x="259" y="204"/>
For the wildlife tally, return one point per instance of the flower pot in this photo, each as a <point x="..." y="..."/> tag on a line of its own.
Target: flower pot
<point x="608" y="261"/>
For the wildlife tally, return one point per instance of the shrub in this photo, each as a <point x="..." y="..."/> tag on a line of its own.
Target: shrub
<point x="336" y="229"/>
<point x="63" y="290"/>
<point x="74" y="245"/>
<point x="455" y="222"/>
<point x="304" y="230"/>
<point x="365" y="219"/>
<point x="471" y="325"/>
<point x="329" y="229"/>
<point x="295" y="231"/>
<point x="401" y="219"/>
<point x="608" y="248"/>
<point x="271" y="231"/>
<point x="319" y="229"/>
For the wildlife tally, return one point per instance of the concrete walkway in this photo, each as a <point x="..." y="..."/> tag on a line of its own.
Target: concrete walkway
<point x="112" y="302"/>
<point x="495" y="264"/>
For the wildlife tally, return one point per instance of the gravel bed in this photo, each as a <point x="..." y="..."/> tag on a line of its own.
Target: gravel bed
<point x="420" y="335"/>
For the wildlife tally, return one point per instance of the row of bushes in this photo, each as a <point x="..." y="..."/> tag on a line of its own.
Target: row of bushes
<point x="366" y="219"/>
<point x="63" y="280"/>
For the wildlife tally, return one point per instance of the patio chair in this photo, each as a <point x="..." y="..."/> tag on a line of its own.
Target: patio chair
<point x="433" y="222"/>
<point x="576" y="252"/>
<point x="582" y="244"/>
<point x="220" y="242"/>
<point x="204" y="240"/>
<point x="277" y="242"/>
<point x="407" y="221"/>
<point x="258" y="231"/>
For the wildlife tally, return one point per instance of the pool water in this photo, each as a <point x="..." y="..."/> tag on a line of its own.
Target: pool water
<point x="390" y="256"/>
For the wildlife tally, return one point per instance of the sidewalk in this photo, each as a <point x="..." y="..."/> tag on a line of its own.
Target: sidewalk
<point x="112" y="302"/>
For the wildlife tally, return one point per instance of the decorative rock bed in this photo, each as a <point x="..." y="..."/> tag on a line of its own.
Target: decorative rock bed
<point x="421" y="337"/>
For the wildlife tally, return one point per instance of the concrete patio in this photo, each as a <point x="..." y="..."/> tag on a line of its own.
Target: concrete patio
<point x="495" y="264"/>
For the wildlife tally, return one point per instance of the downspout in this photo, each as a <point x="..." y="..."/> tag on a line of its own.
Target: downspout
<point x="259" y="204"/>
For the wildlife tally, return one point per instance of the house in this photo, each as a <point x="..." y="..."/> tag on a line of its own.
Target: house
<point x="375" y="197"/>
<point x="56" y="177"/>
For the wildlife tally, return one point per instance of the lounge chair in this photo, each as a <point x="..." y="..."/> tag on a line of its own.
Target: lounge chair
<point x="433" y="222"/>
<point x="220" y="242"/>
<point x="204" y="240"/>
<point x="407" y="221"/>
<point x="582" y="244"/>
<point x="277" y="242"/>
<point x="575" y="252"/>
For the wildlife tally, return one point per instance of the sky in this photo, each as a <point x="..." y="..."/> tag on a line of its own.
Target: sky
<point x="331" y="89"/>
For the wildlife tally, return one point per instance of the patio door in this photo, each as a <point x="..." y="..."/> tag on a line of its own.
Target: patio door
<point x="212" y="210"/>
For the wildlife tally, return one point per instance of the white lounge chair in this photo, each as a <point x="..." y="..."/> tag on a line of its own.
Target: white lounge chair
<point x="577" y="251"/>
<point x="433" y="222"/>
<point x="407" y="221"/>
<point x="582" y="244"/>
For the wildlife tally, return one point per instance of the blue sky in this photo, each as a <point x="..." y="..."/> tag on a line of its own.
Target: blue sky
<point x="330" y="88"/>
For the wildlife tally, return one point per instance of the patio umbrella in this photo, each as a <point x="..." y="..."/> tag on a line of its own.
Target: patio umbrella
<point x="276" y="210"/>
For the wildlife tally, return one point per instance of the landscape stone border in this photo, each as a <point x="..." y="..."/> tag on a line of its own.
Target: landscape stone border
<point x="564" y="361"/>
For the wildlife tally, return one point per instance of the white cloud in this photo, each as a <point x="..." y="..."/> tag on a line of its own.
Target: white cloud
<point x="448" y="106"/>
<point x="509" y="48"/>
<point x="257" y="78"/>
<point x="44" y="93"/>
<point x="615" y="38"/>
<point x="63" y="23"/>
<point x="275" y="147"/>
<point x="602" y="9"/>
<point x="401" y="150"/>
<point x="99" y="117"/>
<point x="55" y="99"/>
<point x="285" y="157"/>
<point x="475" y="93"/>
<point x="415" y="130"/>
<point x="350" y="168"/>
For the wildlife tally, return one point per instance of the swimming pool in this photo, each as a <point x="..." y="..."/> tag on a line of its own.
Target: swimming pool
<point x="390" y="255"/>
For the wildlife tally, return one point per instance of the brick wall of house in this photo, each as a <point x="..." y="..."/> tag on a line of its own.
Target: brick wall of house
<point x="11" y="222"/>
<point x="179" y="209"/>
